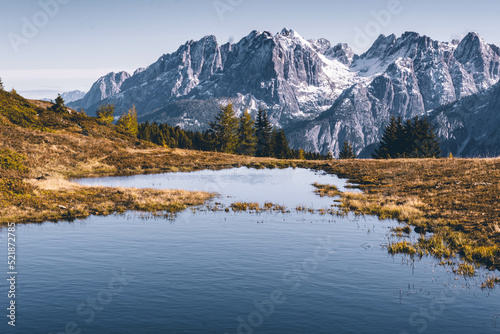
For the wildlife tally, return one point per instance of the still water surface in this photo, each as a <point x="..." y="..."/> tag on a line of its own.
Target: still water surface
<point x="217" y="272"/>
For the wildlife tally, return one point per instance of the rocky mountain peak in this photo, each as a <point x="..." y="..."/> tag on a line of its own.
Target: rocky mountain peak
<point x="342" y="52"/>
<point x="380" y="47"/>
<point x="287" y="32"/>
<point x="105" y="87"/>
<point x="471" y="46"/>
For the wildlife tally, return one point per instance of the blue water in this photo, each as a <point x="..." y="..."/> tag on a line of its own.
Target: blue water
<point x="217" y="272"/>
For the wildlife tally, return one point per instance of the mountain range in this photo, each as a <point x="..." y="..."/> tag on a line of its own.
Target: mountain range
<point x="321" y="94"/>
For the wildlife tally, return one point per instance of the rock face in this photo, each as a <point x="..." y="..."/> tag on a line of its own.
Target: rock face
<point x="105" y="87"/>
<point x="320" y="94"/>
<point x="470" y="127"/>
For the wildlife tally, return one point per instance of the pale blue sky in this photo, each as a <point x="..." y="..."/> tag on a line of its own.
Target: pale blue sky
<point x="84" y="39"/>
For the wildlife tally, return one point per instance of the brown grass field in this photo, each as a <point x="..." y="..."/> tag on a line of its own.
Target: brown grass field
<point x="454" y="199"/>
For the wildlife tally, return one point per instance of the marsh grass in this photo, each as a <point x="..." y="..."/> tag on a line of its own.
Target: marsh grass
<point x="490" y="283"/>
<point x="256" y="207"/>
<point x="401" y="231"/>
<point x="243" y="206"/>
<point x="402" y="247"/>
<point x="465" y="269"/>
<point x="326" y="190"/>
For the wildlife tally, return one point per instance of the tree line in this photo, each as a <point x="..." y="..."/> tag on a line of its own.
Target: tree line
<point x="414" y="138"/>
<point x="230" y="134"/>
<point x="227" y="133"/>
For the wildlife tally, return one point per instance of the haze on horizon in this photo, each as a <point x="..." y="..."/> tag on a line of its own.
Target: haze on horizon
<point x="53" y="46"/>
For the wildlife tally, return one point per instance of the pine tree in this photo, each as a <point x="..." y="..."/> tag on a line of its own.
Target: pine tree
<point x="184" y="141"/>
<point x="280" y="146"/>
<point x="347" y="151"/>
<point x="301" y="155"/>
<point x="263" y="131"/>
<point x="424" y="140"/>
<point x="390" y="145"/>
<point x="59" y="106"/>
<point x="414" y="139"/>
<point x="105" y="113"/>
<point x="128" y="122"/>
<point x="246" y="135"/>
<point x="1" y="85"/>
<point x="224" y="130"/>
<point x="144" y="131"/>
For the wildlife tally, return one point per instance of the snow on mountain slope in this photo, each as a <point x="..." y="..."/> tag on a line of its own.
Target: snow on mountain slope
<point x="407" y="76"/>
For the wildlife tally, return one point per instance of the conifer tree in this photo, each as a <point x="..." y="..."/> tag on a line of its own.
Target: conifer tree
<point x="145" y="130"/>
<point x="128" y="122"/>
<point x="59" y="106"/>
<point x="263" y="131"/>
<point x="1" y="85"/>
<point x="105" y="113"/>
<point x="301" y="155"/>
<point x="246" y="135"/>
<point x="224" y="130"/>
<point x="390" y="145"/>
<point x="347" y="151"/>
<point x="423" y="140"/>
<point x="414" y="139"/>
<point x="280" y="146"/>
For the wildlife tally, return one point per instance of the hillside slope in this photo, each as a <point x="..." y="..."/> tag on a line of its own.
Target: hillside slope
<point x="41" y="150"/>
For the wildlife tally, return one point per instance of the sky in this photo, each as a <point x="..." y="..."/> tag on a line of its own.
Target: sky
<point x="53" y="46"/>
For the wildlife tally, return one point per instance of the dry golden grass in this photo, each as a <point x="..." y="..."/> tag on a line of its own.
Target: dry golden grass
<point x="326" y="190"/>
<point x="465" y="269"/>
<point x="455" y="199"/>
<point x="490" y="282"/>
<point x="56" y="198"/>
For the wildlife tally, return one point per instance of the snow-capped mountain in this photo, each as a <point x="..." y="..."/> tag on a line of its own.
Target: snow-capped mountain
<point x="408" y="76"/>
<point x="72" y="96"/>
<point x="321" y="94"/>
<point x="293" y="78"/>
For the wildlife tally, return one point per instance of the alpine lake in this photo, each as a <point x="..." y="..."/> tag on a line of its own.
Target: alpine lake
<point x="214" y="269"/>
